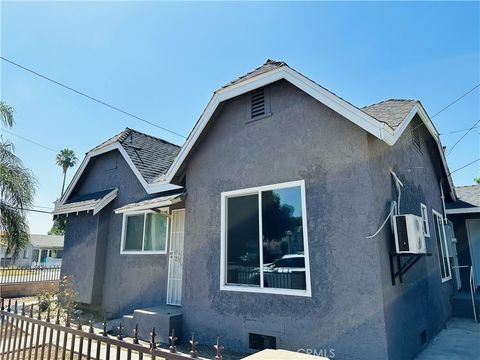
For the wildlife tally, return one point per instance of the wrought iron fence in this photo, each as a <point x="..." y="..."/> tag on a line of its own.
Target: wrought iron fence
<point x="25" y="336"/>
<point x="10" y="275"/>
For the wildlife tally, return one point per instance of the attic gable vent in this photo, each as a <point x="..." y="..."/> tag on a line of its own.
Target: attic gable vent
<point x="257" y="107"/>
<point x="416" y="136"/>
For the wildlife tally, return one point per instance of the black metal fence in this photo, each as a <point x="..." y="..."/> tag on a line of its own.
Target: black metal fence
<point x="32" y="337"/>
<point x="11" y="275"/>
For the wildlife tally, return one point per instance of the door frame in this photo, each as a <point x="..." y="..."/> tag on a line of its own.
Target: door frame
<point x="169" y="254"/>
<point x="475" y="265"/>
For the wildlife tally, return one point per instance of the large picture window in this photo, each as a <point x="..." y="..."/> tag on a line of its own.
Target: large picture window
<point x="144" y="233"/>
<point x="264" y="240"/>
<point x="442" y="247"/>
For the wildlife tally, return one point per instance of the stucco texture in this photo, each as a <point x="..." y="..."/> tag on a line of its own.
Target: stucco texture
<point x="115" y="283"/>
<point x="422" y="301"/>
<point x="301" y="140"/>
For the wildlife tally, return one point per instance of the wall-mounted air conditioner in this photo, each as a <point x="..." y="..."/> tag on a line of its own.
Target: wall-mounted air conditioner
<point x="409" y="238"/>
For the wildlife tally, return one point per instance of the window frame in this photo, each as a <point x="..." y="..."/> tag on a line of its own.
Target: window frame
<point x="223" y="242"/>
<point x="426" y="225"/>
<point x="438" y="216"/>
<point x="143" y="252"/>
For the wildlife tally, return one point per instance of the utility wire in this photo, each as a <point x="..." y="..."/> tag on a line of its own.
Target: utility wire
<point x="453" y="147"/>
<point x="91" y="97"/>
<point x="43" y="207"/>
<point x="464" y="166"/>
<point x="446" y="107"/>
<point x="34" y="210"/>
<point x="455" y="101"/>
<point x="458" y="131"/>
<point x="30" y="141"/>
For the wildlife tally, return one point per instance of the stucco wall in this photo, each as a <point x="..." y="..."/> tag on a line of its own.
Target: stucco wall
<point x="122" y="282"/>
<point x="80" y="253"/>
<point x="422" y="301"/>
<point x="301" y="140"/>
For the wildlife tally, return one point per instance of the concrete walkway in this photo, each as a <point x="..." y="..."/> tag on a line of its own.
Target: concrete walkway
<point x="459" y="341"/>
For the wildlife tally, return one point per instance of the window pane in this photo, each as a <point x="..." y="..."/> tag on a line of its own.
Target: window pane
<point x="243" y="259"/>
<point x="134" y="233"/>
<point x="283" y="251"/>
<point x="440" y="246"/>
<point x="155" y="232"/>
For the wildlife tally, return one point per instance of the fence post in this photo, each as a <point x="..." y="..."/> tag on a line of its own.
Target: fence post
<point x="193" y="343"/>
<point x="219" y="348"/>
<point x="173" y="338"/>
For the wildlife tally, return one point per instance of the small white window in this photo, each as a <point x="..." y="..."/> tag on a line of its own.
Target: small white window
<point x="144" y="233"/>
<point x="264" y="245"/>
<point x="442" y="247"/>
<point x="426" y="227"/>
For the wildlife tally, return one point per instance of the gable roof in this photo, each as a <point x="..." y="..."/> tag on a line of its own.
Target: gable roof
<point x="148" y="157"/>
<point x="386" y="120"/>
<point x="151" y="156"/>
<point x="468" y="200"/>
<point x="392" y="111"/>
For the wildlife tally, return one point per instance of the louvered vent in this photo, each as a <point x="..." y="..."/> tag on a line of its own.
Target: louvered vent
<point x="416" y="137"/>
<point x="258" y="103"/>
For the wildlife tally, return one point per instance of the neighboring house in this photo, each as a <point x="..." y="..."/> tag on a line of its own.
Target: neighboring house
<point x="465" y="216"/>
<point x="258" y="227"/>
<point x="41" y="250"/>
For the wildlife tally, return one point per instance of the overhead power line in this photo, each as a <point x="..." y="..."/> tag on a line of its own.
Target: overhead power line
<point x="91" y="97"/>
<point x="473" y="127"/>
<point x="30" y="141"/>
<point x="464" y="166"/>
<point x="455" y="101"/>
<point x="34" y="210"/>
<point x="458" y="131"/>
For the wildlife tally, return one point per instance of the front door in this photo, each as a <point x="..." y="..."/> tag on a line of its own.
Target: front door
<point x="175" y="259"/>
<point x="473" y="229"/>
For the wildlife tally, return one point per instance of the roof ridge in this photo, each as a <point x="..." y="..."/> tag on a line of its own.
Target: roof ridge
<point x="276" y="63"/>
<point x="387" y="100"/>
<point x="151" y="136"/>
<point x="463" y="186"/>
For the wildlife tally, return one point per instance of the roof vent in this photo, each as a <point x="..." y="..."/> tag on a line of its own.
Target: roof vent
<point x="416" y="136"/>
<point x="257" y="103"/>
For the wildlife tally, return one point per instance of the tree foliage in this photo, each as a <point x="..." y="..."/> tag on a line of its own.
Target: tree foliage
<point x="66" y="159"/>
<point x="17" y="191"/>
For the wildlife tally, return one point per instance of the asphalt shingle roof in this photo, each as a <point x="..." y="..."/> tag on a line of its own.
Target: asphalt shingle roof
<point x="392" y="111"/>
<point x="268" y="66"/>
<point x="150" y="155"/>
<point x="467" y="196"/>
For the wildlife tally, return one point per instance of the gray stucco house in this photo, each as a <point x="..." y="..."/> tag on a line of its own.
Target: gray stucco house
<point x="258" y="227"/>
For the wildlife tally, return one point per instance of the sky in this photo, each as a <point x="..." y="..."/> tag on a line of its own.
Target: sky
<point x="162" y="61"/>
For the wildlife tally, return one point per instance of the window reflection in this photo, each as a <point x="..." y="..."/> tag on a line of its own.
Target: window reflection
<point x="283" y="249"/>
<point x="283" y="260"/>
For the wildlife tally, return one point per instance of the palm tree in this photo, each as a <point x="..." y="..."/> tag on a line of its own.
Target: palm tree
<point x="6" y="114"/>
<point x="17" y="191"/>
<point x="66" y="159"/>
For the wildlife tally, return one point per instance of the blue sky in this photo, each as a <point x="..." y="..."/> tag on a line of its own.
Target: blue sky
<point x="162" y="61"/>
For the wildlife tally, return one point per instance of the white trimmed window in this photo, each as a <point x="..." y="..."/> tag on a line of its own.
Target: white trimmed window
<point x="426" y="226"/>
<point x="442" y="246"/>
<point x="144" y="233"/>
<point x="264" y="244"/>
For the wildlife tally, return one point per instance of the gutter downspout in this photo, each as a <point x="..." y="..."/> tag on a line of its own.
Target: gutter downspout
<point x="445" y="219"/>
